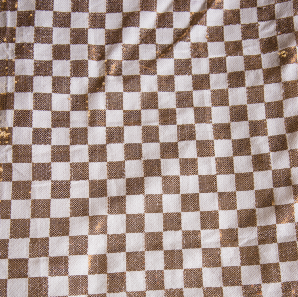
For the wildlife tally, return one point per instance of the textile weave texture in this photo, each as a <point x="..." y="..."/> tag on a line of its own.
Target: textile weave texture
<point x="148" y="148"/>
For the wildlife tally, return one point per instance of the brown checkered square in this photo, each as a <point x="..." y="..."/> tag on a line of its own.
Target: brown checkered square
<point x="211" y="257"/>
<point x="78" y="245"/>
<point x="97" y="225"/>
<point x="191" y="239"/>
<point x="97" y="188"/>
<point x="98" y="264"/>
<point x="209" y="220"/>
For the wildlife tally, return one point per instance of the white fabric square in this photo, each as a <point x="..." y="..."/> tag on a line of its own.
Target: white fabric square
<point x="173" y="278"/>
<point x="41" y="118"/>
<point x="285" y="232"/>
<point x="97" y="244"/>
<point x="20" y="209"/>
<point x="24" y="34"/>
<point x="154" y="260"/>
<point x="79" y="19"/>
<point x="78" y="52"/>
<point x="96" y="37"/>
<point x="192" y="258"/>
<point x="221" y="114"/>
<point x="218" y="81"/>
<point x="170" y="167"/>
<point x="64" y="6"/>
<point x="210" y="238"/>
<point x="190" y="220"/>
<point x="216" y="49"/>
<point x="288" y="271"/>
<point x="200" y="66"/>
<point x="237" y="96"/>
<point x="135" y="242"/>
<point x="130" y="35"/>
<point x="58" y="246"/>
<point x="133" y="168"/>
<point x="38" y="267"/>
<point x="275" y="126"/>
<point x="78" y="265"/>
<point x="24" y="67"/>
<point x="272" y="289"/>
<point x="18" y="248"/>
<point x="164" y="36"/>
<point x="43" y="18"/>
<point x="4" y="268"/>
<point x="132" y="134"/>
<point x="172" y="240"/>
<point x="60" y="208"/>
<point x="23" y="101"/>
<point x="115" y="152"/>
<point x="171" y="203"/>
<point x="97" y="283"/>
<point x="164" y="6"/>
<point x="223" y="148"/>
<point x="98" y="206"/>
<point x="235" y="63"/>
<point x="263" y="180"/>
<point x="187" y="149"/>
<point x="96" y="135"/>
<point x="21" y="171"/>
<point x="78" y="226"/>
<point x="79" y="153"/>
<point x="130" y="68"/>
<point x="95" y="69"/>
<point x="153" y="222"/>
<point x="79" y="189"/>
<point x="248" y="236"/>
<point x="148" y="83"/>
<point x="230" y="256"/>
<point x="42" y="84"/>
<point x="58" y="285"/>
<point x="42" y="51"/>
<point x="17" y="287"/>
<point x="182" y="50"/>
<point x="134" y="204"/>
<point x="251" y="275"/>
<point x="112" y="51"/>
<point x="39" y="228"/>
<point x="245" y="199"/>
<point x="259" y="145"/>
<point x="189" y="184"/>
<point x="4" y="230"/>
<point x="228" y="219"/>
<point x="153" y="185"/>
<point x="268" y="253"/>
<point x="135" y="281"/>
<point x="185" y="116"/>
<point x="168" y="133"/>
<point x="61" y="35"/>
<point x="22" y="135"/>
<point x="116" y="224"/>
<point x="212" y="277"/>
<point x="208" y="201"/>
<point x="60" y="102"/>
<point x="116" y="262"/>
<point x="116" y="187"/>
<point x="280" y="160"/>
<point x="183" y="83"/>
<point x="60" y="171"/>
<point x="248" y="15"/>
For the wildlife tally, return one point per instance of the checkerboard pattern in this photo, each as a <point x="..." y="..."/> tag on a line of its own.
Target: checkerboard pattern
<point x="148" y="148"/>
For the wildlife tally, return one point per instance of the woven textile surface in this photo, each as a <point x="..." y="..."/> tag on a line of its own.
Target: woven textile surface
<point x="148" y="148"/>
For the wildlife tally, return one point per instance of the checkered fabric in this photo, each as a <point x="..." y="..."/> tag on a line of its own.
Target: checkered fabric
<point x="148" y="148"/>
